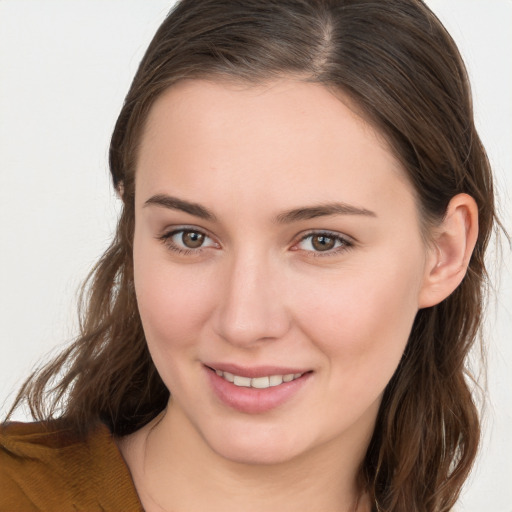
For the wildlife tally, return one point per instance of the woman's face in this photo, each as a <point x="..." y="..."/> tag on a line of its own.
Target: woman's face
<point x="276" y="238"/>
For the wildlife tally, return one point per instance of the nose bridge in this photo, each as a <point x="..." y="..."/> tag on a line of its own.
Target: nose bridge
<point x="252" y="303"/>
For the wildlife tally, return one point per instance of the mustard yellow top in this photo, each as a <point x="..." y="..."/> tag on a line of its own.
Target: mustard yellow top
<point x="49" y="469"/>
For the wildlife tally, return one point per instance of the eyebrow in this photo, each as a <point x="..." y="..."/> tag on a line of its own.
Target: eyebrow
<point x="289" y="216"/>
<point x="322" y="210"/>
<point x="173" y="203"/>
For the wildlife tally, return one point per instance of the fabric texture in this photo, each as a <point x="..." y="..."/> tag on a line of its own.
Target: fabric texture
<point x="45" y="467"/>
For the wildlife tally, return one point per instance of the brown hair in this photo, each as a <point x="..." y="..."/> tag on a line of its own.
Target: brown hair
<point x="397" y="63"/>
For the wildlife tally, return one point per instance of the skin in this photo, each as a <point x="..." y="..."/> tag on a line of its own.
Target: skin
<point x="259" y="292"/>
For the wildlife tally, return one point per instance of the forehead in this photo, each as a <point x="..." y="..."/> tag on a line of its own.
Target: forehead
<point x="285" y="141"/>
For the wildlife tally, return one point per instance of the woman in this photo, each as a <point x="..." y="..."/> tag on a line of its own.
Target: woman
<point x="299" y="261"/>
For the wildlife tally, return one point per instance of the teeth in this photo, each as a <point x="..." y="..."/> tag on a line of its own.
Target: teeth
<point x="228" y="376"/>
<point x="275" y="380"/>
<point x="258" y="382"/>
<point x="242" y="381"/>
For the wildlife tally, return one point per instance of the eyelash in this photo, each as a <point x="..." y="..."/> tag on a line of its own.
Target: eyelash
<point x="345" y="243"/>
<point x="166" y="239"/>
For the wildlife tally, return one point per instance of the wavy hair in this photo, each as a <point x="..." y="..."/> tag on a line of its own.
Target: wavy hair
<point x="400" y="67"/>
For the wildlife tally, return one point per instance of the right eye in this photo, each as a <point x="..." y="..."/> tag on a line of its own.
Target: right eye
<point x="187" y="241"/>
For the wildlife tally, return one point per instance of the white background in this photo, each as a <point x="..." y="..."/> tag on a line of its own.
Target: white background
<point x="65" y="66"/>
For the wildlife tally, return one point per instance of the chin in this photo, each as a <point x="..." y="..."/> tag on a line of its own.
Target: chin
<point x="255" y="454"/>
<point x="256" y="446"/>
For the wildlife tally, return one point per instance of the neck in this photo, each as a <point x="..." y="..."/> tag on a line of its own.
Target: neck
<point x="170" y="462"/>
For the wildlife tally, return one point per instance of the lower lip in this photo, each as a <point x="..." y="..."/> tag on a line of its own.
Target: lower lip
<point x="252" y="400"/>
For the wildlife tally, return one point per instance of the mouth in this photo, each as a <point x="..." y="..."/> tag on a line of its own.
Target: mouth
<point x="256" y="390"/>
<point x="266" y="381"/>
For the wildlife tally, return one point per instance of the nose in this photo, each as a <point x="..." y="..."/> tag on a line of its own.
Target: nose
<point x="252" y="301"/>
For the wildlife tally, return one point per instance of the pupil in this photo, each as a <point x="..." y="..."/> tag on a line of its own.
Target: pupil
<point x="323" y="243"/>
<point x="192" y="239"/>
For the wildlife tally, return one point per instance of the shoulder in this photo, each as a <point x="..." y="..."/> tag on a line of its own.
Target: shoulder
<point x="46" y="466"/>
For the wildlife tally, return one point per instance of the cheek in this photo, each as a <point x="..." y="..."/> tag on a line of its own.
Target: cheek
<point x="362" y="323"/>
<point x="173" y="303"/>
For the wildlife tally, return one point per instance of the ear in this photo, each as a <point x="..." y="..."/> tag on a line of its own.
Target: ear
<point x="452" y="245"/>
<point x="120" y="189"/>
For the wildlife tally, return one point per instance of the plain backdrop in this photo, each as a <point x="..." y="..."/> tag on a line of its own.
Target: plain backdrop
<point x="65" y="66"/>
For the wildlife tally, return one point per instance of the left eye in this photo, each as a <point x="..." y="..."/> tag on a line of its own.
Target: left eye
<point x="322" y="242"/>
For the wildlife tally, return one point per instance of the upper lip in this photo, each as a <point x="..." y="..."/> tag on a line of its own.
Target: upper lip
<point x="254" y="371"/>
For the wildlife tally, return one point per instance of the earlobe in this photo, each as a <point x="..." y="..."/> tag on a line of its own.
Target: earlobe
<point x="452" y="245"/>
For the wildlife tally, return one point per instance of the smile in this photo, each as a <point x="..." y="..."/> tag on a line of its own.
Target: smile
<point x="258" y="382"/>
<point x="256" y="390"/>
